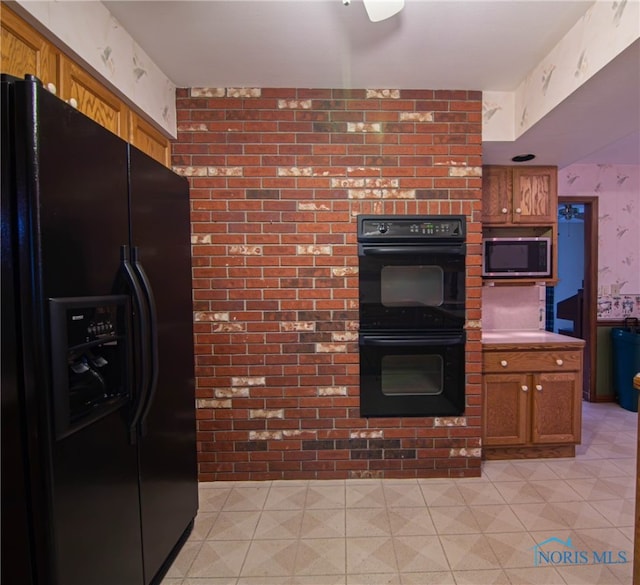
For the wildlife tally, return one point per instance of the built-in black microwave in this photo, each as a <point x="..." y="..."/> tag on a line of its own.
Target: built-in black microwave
<point x="523" y="257"/>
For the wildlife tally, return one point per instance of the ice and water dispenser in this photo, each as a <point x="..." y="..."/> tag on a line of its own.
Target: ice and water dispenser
<point x="90" y="345"/>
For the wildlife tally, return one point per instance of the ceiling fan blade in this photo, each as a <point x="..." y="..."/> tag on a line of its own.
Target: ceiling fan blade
<point x="382" y="9"/>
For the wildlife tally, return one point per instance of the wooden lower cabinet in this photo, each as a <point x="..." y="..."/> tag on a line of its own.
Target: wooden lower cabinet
<point x="532" y="403"/>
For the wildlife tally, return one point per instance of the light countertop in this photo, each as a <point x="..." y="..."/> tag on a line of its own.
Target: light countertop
<point x="527" y="337"/>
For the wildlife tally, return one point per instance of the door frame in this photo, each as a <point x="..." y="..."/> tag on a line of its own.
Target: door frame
<point x="589" y="310"/>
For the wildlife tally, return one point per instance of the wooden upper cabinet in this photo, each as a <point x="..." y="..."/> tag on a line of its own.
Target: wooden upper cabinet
<point x="535" y="195"/>
<point x="519" y="195"/>
<point x="145" y="137"/>
<point x="497" y="193"/>
<point x="26" y="52"/>
<point x="93" y="99"/>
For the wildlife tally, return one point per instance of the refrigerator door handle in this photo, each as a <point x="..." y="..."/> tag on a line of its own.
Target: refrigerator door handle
<point x="141" y="311"/>
<point x="152" y="339"/>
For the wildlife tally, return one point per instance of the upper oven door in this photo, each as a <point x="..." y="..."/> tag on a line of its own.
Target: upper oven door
<point x="405" y="286"/>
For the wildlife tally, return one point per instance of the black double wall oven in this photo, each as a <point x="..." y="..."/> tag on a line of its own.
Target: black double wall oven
<point x="412" y="315"/>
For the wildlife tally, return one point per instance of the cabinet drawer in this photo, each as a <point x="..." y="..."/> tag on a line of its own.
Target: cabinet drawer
<point x="532" y="361"/>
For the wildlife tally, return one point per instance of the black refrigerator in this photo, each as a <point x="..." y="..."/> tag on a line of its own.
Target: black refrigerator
<point x="99" y="482"/>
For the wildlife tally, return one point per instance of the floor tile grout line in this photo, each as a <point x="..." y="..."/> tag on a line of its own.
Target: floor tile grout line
<point x="346" y="543"/>
<point x="299" y="533"/>
<point x="393" y="542"/>
<point x="255" y="528"/>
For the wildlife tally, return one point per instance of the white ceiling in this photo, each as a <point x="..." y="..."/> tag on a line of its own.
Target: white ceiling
<point x="430" y="44"/>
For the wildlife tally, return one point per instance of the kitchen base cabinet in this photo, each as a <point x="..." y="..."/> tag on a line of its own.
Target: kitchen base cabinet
<point x="532" y="403"/>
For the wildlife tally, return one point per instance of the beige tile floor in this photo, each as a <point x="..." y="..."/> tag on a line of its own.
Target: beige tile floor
<point x="472" y="531"/>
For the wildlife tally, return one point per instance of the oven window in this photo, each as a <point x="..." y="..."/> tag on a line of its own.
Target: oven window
<point x="410" y="286"/>
<point x="412" y="375"/>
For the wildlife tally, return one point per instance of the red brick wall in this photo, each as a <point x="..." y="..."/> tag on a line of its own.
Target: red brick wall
<point x="278" y="177"/>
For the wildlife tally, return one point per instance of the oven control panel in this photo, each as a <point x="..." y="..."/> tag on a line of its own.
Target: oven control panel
<point x="411" y="228"/>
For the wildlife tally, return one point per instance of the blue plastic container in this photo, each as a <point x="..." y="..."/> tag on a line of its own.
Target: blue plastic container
<point x="626" y="364"/>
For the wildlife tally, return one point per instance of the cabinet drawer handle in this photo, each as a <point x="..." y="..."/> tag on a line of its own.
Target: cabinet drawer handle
<point x="525" y="388"/>
<point x="518" y="210"/>
<point x="559" y="362"/>
<point x="504" y="363"/>
<point x="539" y="387"/>
<point x="504" y="210"/>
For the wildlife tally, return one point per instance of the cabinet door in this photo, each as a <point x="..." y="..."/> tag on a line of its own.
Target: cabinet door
<point x="556" y="408"/>
<point x="26" y="52"/>
<point x="497" y="189"/>
<point x="93" y="99"/>
<point x="506" y="398"/>
<point x="149" y="140"/>
<point x="535" y="198"/>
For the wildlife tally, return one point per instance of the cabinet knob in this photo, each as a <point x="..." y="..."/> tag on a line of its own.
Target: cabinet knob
<point x="504" y="210"/>
<point x="504" y="363"/>
<point x="539" y="387"/>
<point x="518" y="210"/>
<point x="73" y="102"/>
<point x="525" y="388"/>
<point x="559" y="362"/>
<point x="51" y="88"/>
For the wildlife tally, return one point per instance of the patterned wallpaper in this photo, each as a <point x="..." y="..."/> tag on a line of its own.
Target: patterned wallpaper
<point x="618" y="190"/>
<point x="91" y="32"/>
<point x="605" y="31"/>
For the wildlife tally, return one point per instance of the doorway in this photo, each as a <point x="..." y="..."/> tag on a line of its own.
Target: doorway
<point x="575" y="296"/>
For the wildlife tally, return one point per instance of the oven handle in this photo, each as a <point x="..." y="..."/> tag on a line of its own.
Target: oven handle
<point x="458" y="250"/>
<point x="422" y="340"/>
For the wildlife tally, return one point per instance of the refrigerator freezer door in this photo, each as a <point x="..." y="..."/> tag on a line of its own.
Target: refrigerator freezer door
<point x="168" y="471"/>
<point x="15" y="515"/>
<point x="73" y="195"/>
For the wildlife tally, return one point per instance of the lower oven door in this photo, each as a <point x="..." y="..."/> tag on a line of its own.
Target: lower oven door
<point x="412" y="375"/>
